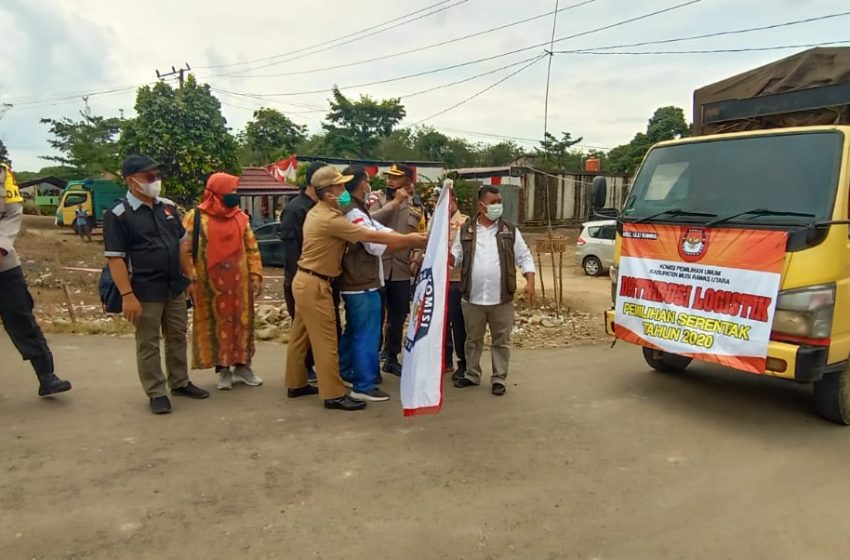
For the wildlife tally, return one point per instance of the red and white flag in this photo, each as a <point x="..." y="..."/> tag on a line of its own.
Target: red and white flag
<point x="424" y="346"/>
<point x="285" y="169"/>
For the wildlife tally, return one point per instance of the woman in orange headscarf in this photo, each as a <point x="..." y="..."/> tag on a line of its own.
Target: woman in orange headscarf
<point x="229" y="275"/>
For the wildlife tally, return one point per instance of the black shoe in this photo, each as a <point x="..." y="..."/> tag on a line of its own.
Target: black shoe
<point x="379" y="380"/>
<point x="190" y="391"/>
<point x="498" y="389"/>
<point x="304" y="391"/>
<point x="50" y="385"/>
<point x="160" y="405"/>
<point x="459" y="374"/>
<point x="345" y="403"/>
<point x="393" y="367"/>
<point x="463" y="382"/>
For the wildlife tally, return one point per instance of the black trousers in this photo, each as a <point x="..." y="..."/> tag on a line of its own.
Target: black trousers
<point x="16" y="312"/>
<point x="309" y="362"/>
<point x="456" y="331"/>
<point x="395" y="305"/>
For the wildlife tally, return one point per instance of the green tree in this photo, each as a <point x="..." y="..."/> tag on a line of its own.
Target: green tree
<point x="666" y="123"/>
<point x="556" y="154"/>
<point x="184" y="130"/>
<point x="398" y="146"/>
<point x="355" y="128"/>
<point x="89" y="146"/>
<point x="269" y="136"/>
<point x="497" y="155"/>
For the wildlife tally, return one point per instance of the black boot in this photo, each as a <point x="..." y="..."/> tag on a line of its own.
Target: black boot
<point x="49" y="384"/>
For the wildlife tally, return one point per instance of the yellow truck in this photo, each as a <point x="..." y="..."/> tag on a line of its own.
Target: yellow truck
<point x="733" y="244"/>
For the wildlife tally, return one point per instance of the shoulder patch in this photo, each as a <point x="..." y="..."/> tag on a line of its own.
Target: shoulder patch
<point x="167" y="201"/>
<point x="118" y="210"/>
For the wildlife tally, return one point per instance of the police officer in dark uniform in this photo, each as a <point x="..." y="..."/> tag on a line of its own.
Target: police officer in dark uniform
<point x="15" y="300"/>
<point x="145" y="230"/>
<point x="402" y="214"/>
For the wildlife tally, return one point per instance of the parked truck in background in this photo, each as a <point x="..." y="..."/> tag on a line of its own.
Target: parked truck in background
<point x="770" y="152"/>
<point x="96" y="197"/>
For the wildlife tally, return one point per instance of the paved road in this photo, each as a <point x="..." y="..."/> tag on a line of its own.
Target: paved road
<point x="589" y="456"/>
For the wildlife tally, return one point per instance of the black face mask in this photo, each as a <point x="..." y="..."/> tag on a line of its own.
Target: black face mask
<point x="390" y="193"/>
<point x="230" y="200"/>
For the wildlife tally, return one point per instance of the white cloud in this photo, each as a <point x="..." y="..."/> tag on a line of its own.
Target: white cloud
<point x="86" y="45"/>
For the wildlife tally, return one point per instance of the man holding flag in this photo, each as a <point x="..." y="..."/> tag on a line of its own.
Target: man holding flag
<point x="488" y="251"/>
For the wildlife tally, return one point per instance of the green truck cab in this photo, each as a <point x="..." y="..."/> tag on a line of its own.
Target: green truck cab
<point x="96" y="196"/>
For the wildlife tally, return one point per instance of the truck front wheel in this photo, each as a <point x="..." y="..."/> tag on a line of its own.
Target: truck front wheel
<point x="832" y="397"/>
<point x="665" y="362"/>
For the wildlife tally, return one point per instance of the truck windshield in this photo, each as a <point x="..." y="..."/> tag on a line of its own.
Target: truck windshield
<point x="795" y="173"/>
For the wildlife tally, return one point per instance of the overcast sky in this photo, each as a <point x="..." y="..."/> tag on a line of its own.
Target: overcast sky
<point x="55" y="51"/>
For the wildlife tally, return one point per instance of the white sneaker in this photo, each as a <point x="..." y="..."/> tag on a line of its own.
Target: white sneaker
<point x="375" y="395"/>
<point x="348" y="384"/>
<point x="247" y="375"/>
<point x="225" y="380"/>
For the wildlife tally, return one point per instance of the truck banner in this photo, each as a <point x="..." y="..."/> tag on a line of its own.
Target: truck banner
<point x="709" y="294"/>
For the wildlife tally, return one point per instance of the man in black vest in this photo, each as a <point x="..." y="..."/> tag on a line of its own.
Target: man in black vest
<point x="488" y="251"/>
<point x="144" y="231"/>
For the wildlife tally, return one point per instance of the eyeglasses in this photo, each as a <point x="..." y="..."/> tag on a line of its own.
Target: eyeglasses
<point x="151" y="176"/>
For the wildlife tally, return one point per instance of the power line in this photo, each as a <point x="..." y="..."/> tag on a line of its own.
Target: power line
<point x="469" y="79"/>
<point x="549" y="73"/>
<point x="483" y="91"/>
<point x="360" y="37"/>
<point x="714" y="51"/>
<point x="424" y="47"/>
<point x="713" y="34"/>
<point x="488" y="58"/>
<point x="355" y="33"/>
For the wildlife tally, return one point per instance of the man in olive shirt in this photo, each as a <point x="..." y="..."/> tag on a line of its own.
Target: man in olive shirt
<point x="400" y="214"/>
<point x="326" y="233"/>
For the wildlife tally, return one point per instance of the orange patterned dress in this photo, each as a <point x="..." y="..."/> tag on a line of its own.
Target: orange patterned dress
<point x="223" y="316"/>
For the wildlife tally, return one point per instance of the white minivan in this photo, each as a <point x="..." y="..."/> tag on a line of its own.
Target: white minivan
<point x="595" y="246"/>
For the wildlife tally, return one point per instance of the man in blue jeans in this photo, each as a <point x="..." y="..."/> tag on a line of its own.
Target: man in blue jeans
<point x="360" y="284"/>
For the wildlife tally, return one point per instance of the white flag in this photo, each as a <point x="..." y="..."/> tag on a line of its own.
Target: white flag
<point x="424" y="346"/>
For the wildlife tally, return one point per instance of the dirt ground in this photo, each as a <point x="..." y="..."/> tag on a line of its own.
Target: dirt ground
<point x="588" y="456"/>
<point x="48" y="252"/>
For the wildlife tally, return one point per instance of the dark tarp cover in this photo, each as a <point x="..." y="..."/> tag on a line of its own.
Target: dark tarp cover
<point x="809" y="69"/>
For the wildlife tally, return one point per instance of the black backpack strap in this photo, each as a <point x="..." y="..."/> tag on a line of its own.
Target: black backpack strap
<point x="196" y="234"/>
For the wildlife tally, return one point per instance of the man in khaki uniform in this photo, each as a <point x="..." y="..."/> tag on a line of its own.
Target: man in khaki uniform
<point x="326" y="233"/>
<point x="402" y="215"/>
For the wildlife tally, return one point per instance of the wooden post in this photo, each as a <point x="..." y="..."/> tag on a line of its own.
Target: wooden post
<point x="71" y="311"/>
<point x="540" y="275"/>
<point x="554" y="286"/>
<point x="561" y="278"/>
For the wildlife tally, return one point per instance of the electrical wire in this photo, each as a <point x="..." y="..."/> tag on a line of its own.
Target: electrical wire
<point x="488" y="58"/>
<point x="714" y="51"/>
<point x="483" y="91"/>
<point x="360" y="37"/>
<point x="394" y="20"/>
<point x="713" y="34"/>
<point x="426" y="47"/>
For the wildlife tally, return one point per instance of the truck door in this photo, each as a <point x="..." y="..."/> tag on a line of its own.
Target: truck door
<point x="70" y="202"/>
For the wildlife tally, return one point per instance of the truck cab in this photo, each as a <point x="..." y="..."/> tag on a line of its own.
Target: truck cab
<point x="745" y="174"/>
<point x="94" y="195"/>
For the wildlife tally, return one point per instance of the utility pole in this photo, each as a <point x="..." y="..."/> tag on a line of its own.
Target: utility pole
<point x="179" y="72"/>
<point x="87" y="110"/>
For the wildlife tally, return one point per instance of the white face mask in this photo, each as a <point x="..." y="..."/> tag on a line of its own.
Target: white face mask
<point x="494" y="211"/>
<point x="152" y="190"/>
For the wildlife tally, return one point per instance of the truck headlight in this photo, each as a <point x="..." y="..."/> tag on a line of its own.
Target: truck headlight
<point x="806" y="312"/>
<point x="614" y="274"/>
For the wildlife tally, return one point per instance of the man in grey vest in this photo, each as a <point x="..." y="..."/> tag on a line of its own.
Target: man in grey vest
<point x="488" y="251"/>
